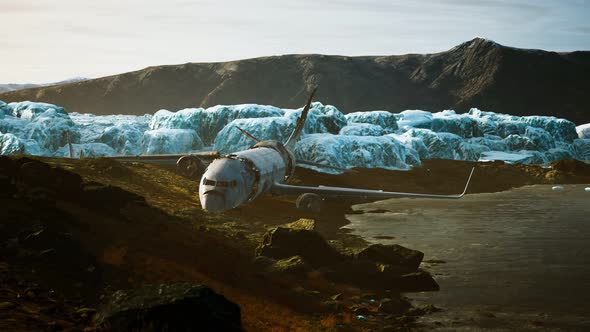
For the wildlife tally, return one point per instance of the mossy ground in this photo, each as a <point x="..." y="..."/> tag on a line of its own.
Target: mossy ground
<point x="171" y="239"/>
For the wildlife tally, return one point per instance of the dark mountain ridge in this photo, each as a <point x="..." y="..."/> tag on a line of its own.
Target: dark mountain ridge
<point x="478" y="73"/>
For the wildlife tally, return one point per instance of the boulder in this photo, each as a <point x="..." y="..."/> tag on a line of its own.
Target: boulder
<point x="109" y="198"/>
<point x="37" y="174"/>
<point x="282" y="242"/>
<point x="293" y="265"/>
<point x="392" y="254"/>
<point x="303" y="223"/>
<point x="394" y="306"/>
<point x="420" y="281"/>
<point x="361" y="273"/>
<point x="172" y="307"/>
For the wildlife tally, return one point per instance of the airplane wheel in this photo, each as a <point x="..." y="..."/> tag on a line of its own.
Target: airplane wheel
<point x="309" y="202"/>
<point x="190" y="167"/>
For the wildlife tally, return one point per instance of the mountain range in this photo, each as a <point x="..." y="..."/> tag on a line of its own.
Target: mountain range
<point x="478" y="73"/>
<point x="20" y="86"/>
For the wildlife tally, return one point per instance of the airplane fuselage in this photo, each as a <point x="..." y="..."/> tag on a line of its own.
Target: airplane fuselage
<point x="243" y="176"/>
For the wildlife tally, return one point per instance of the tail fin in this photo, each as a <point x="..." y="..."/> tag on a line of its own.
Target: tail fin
<point x="290" y="144"/>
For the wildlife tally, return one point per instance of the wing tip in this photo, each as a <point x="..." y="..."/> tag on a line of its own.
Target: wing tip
<point x="468" y="182"/>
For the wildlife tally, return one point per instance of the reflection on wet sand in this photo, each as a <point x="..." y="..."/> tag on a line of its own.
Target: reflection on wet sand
<point x="521" y="252"/>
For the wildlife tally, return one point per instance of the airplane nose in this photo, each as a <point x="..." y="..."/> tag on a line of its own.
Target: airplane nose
<point x="213" y="202"/>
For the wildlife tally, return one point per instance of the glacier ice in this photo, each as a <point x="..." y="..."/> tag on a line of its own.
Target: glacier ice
<point x="163" y="141"/>
<point x="10" y="144"/>
<point x="208" y="122"/>
<point x="360" y="139"/>
<point x="360" y="151"/>
<point x="362" y="129"/>
<point x="90" y="150"/>
<point x="30" y="110"/>
<point x="414" y="119"/>
<point x="230" y="139"/>
<point x="583" y="130"/>
<point x="383" y="119"/>
<point x="581" y="149"/>
<point x="124" y="138"/>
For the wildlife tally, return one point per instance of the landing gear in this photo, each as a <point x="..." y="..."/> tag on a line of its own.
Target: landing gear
<point x="190" y="167"/>
<point x="309" y="203"/>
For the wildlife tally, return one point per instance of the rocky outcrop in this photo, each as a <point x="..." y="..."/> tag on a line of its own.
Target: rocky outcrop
<point x="284" y="242"/>
<point x="175" y="307"/>
<point x="393" y="254"/>
<point x="296" y="248"/>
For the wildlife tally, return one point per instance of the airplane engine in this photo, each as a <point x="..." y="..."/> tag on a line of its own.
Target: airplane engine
<point x="191" y="167"/>
<point x="309" y="202"/>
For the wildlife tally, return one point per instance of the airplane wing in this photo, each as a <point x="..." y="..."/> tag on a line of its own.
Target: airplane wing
<point x="165" y="159"/>
<point x="285" y="189"/>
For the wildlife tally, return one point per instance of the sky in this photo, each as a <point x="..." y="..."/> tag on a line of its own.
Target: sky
<point x="50" y="40"/>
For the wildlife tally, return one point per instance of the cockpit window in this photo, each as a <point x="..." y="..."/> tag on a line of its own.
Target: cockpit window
<point x="225" y="183"/>
<point x="208" y="182"/>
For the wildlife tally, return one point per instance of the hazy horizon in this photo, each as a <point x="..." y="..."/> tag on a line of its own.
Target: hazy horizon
<point x="50" y="41"/>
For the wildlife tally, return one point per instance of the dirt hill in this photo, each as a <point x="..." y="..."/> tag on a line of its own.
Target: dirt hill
<point x="478" y="73"/>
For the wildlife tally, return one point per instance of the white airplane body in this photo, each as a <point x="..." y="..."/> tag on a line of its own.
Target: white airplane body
<point x="238" y="178"/>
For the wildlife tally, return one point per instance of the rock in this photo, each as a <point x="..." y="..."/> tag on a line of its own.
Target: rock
<point x="331" y="306"/>
<point x="358" y="272"/>
<point x="368" y="296"/>
<point x="281" y="242"/>
<point x="86" y="312"/>
<point x="360" y="310"/>
<point x="393" y="271"/>
<point x="393" y="306"/>
<point x="392" y="254"/>
<point x="303" y="223"/>
<point x="174" y="307"/>
<point x="420" y="281"/>
<point x="7" y="305"/>
<point x="293" y="265"/>
<point x="263" y="262"/>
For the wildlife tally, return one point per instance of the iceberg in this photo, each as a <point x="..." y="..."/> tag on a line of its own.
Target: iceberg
<point x="581" y="148"/>
<point x="4" y="109"/>
<point x="360" y="139"/>
<point x="208" y="122"/>
<point x="163" y="141"/>
<point x="362" y="129"/>
<point x="383" y="119"/>
<point x="10" y="144"/>
<point x="123" y="138"/>
<point x="90" y="150"/>
<point x="231" y="139"/>
<point x="356" y="151"/>
<point x="92" y="127"/>
<point x="30" y="110"/>
<point x="583" y="131"/>
<point x="414" y="119"/>
<point x="458" y="124"/>
<point x="320" y="119"/>
<point x="50" y="130"/>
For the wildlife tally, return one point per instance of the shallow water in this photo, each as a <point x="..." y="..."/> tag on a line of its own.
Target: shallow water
<point x="523" y="251"/>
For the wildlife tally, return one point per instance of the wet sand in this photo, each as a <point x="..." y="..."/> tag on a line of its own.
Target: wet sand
<point x="517" y="259"/>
